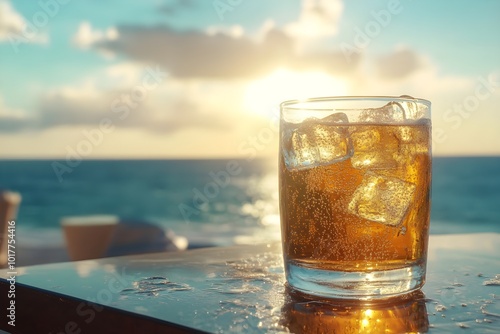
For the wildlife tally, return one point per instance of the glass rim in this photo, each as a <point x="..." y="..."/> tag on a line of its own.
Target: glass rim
<point x="288" y="104"/>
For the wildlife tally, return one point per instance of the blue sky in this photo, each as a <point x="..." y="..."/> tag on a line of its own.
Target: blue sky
<point x="228" y="70"/>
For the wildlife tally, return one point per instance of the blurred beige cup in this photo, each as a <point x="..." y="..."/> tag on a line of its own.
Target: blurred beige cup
<point x="9" y="203"/>
<point x="88" y="237"/>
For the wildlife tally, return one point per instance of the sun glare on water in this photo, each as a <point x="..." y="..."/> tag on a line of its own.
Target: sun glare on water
<point x="264" y="95"/>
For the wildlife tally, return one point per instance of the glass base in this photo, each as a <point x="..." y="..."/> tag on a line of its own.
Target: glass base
<point x="355" y="285"/>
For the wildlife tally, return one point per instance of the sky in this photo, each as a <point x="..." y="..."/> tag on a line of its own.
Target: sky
<point x="203" y="79"/>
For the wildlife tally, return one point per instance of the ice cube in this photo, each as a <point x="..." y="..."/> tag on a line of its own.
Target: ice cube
<point x="316" y="142"/>
<point x="408" y="108"/>
<point x="413" y="139"/>
<point x="392" y="112"/>
<point x="412" y="109"/>
<point x="373" y="148"/>
<point x="382" y="199"/>
<point x="338" y="117"/>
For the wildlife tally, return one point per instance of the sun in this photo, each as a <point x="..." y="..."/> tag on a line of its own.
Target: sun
<point x="264" y="95"/>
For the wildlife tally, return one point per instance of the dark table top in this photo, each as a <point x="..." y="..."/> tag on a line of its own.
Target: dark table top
<point x="242" y="289"/>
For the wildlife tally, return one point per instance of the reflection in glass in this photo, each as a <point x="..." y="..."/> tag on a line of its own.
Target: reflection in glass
<point x="402" y="314"/>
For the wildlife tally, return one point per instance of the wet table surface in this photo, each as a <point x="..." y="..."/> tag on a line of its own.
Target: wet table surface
<point x="241" y="289"/>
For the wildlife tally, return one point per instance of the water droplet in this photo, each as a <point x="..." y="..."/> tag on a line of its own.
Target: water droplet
<point x="440" y="308"/>
<point x="152" y="286"/>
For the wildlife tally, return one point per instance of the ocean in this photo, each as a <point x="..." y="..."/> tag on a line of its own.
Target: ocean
<point x="217" y="202"/>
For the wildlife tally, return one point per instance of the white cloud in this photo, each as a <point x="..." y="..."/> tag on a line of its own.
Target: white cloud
<point x="137" y="102"/>
<point x="15" y="28"/>
<point x="228" y="52"/>
<point x="318" y="18"/>
<point x="11" y="22"/>
<point x="214" y="55"/>
<point x="86" y="37"/>
<point x="122" y="74"/>
<point x="11" y="119"/>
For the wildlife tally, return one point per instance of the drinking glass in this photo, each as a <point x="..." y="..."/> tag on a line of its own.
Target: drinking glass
<point x="355" y="178"/>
